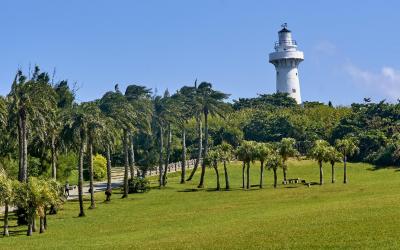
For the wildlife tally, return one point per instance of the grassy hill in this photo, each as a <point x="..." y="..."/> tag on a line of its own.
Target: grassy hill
<point x="365" y="213"/>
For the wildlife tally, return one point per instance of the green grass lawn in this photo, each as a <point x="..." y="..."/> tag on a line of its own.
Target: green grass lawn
<point x="363" y="214"/>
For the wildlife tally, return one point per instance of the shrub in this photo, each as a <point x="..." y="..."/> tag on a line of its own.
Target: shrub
<point x="99" y="167"/>
<point x="66" y="169"/>
<point x="138" y="185"/>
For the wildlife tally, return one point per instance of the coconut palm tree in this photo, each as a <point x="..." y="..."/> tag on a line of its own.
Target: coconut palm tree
<point x="333" y="156"/>
<point x="319" y="152"/>
<point x="212" y="103"/>
<point x="32" y="103"/>
<point x="225" y="154"/>
<point x="274" y="161"/>
<point x="347" y="147"/>
<point x="287" y="149"/>
<point x="262" y="152"/>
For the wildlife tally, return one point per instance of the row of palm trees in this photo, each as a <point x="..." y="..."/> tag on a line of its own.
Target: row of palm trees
<point x="43" y="116"/>
<point x="275" y="155"/>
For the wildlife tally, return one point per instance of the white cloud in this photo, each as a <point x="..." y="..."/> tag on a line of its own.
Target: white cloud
<point x="386" y="82"/>
<point x="325" y="47"/>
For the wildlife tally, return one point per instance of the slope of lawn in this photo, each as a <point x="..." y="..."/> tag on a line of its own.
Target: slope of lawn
<point x="365" y="213"/>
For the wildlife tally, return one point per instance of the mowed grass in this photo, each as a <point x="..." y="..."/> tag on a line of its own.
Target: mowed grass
<point x="363" y="214"/>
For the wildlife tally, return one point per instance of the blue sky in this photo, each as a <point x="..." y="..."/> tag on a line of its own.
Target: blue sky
<point x="350" y="47"/>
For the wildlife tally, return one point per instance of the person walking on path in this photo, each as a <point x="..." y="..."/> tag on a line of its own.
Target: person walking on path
<point x="67" y="189"/>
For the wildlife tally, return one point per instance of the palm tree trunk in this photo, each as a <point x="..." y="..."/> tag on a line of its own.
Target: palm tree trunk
<point x="275" y="178"/>
<point x="345" y="169"/>
<point x="45" y="220"/>
<point x="80" y="176"/>
<point x="108" y="155"/>
<point x="284" y="173"/>
<point x="126" y="157"/>
<point x="169" y="141"/>
<point x="91" y="174"/>
<point x="321" y="174"/>
<point x="183" y="161"/>
<point x="131" y="156"/>
<point x="205" y="152"/>
<point x="53" y="158"/>
<point x="41" y="226"/>
<point x="248" y="175"/>
<point x="23" y="147"/>
<point x="243" y="174"/>
<point x="226" y="177"/>
<point x="333" y="172"/>
<point x="200" y="149"/>
<point x="33" y="223"/>
<point x="30" y="227"/>
<point x="5" y="232"/>
<point x="217" y="174"/>
<point x="261" y="174"/>
<point x="160" y="161"/>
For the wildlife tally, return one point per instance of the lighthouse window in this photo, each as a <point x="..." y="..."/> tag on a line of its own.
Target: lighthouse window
<point x="296" y="74"/>
<point x="294" y="90"/>
<point x="277" y="72"/>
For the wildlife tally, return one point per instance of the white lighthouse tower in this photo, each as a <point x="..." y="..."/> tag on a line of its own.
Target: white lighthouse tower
<point x="286" y="59"/>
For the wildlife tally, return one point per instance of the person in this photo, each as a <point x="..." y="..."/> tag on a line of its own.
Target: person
<point x="67" y="189"/>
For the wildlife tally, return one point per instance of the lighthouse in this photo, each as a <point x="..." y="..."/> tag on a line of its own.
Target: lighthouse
<point x="286" y="60"/>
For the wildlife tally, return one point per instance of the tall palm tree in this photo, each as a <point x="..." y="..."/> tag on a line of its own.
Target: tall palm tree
<point x="319" y="152"/>
<point x="116" y="106"/>
<point x="287" y="149"/>
<point x="32" y="102"/>
<point x="347" y="147"/>
<point x="139" y="97"/>
<point x="212" y="103"/>
<point x="263" y="150"/>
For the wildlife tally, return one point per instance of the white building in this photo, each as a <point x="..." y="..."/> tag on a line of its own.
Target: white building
<point x="286" y="59"/>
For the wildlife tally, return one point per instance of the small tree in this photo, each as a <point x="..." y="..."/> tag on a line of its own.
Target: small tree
<point x="333" y="156"/>
<point x="274" y="161"/>
<point x="320" y="153"/>
<point x="287" y="149"/>
<point x="6" y="197"/>
<point x="246" y="153"/>
<point x="225" y="153"/>
<point x="347" y="147"/>
<point x="263" y="150"/>
<point x="211" y="160"/>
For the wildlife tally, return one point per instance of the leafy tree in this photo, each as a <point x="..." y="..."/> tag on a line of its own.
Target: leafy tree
<point x="212" y="161"/>
<point x="246" y="153"/>
<point x="6" y="197"/>
<point x="347" y="147"/>
<point x="320" y="153"/>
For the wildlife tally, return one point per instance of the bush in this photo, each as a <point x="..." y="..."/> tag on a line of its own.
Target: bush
<point x="67" y="167"/>
<point x="99" y="167"/>
<point x="138" y="185"/>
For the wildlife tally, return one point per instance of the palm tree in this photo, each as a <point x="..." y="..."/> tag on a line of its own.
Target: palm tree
<point x="32" y="103"/>
<point x="139" y="97"/>
<point x="287" y="149"/>
<point x="6" y="196"/>
<point x="274" y="161"/>
<point x="246" y="154"/>
<point x="212" y="161"/>
<point x="333" y="156"/>
<point x="225" y="154"/>
<point x="116" y="106"/>
<point x="320" y="153"/>
<point x="212" y="104"/>
<point x="94" y="123"/>
<point x="347" y="147"/>
<point x="262" y="152"/>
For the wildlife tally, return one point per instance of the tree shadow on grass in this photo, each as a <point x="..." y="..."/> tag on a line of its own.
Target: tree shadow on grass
<point x="189" y="190"/>
<point x="378" y="167"/>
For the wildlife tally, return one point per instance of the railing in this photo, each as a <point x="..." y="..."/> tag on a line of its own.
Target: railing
<point x="285" y="42"/>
